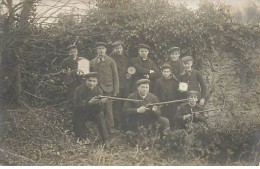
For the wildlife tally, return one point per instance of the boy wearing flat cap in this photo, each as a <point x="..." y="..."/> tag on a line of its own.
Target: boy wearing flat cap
<point x="88" y="107"/>
<point x="137" y="114"/>
<point x="186" y="113"/>
<point x="122" y="61"/>
<point x="108" y="75"/>
<point x="70" y="66"/>
<point x="166" y="89"/>
<point x="176" y="64"/>
<point x="193" y="79"/>
<point x="145" y="67"/>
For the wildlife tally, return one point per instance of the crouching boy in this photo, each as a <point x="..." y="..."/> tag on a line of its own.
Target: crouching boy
<point x="188" y="112"/>
<point x="89" y="108"/>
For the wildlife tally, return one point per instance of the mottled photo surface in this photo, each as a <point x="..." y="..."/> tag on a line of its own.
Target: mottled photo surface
<point x="129" y="83"/>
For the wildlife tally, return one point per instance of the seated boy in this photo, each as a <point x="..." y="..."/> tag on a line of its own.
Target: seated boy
<point x="89" y="108"/>
<point x="186" y="113"/>
<point x="138" y="114"/>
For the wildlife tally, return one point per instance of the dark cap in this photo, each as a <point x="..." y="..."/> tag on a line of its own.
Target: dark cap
<point x="166" y="66"/>
<point x="117" y="43"/>
<point x="91" y="74"/>
<point x="72" y="47"/>
<point x="187" y="58"/>
<point x="100" y="44"/>
<point x="143" y="46"/>
<point x="174" y="49"/>
<point x="193" y="92"/>
<point x="142" y="81"/>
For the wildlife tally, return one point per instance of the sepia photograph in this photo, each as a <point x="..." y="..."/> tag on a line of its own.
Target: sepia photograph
<point x="130" y="83"/>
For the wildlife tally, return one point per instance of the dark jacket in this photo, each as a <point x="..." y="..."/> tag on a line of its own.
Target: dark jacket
<point x="166" y="89"/>
<point x="108" y="75"/>
<point x="177" y="67"/>
<point x="143" y="67"/>
<point x="71" y="67"/>
<point x="195" y="82"/>
<point x="122" y="63"/>
<point x="185" y="109"/>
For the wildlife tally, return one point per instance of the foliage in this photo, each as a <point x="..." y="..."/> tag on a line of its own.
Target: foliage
<point x="160" y="25"/>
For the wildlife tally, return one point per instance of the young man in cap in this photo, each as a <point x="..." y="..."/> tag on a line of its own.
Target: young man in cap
<point x="145" y="67"/>
<point x="108" y="75"/>
<point x="193" y="79"/>
<point x="175" y="63"/>
<point x="70" y="67"/>
<point x="122" y="61"/>
<point x="186" y="113"/>
<point x="137" y="113"/>
<point x="88" y="108"/>
<point x="166" y="89"/>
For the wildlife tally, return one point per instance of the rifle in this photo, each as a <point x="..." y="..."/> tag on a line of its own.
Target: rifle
<point x="149" y="106"/>
<point x="117" y="98"/>
<point x="204" y="111"/>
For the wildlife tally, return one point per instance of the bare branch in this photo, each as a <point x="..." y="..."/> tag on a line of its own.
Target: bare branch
<point x="56" y="11"/>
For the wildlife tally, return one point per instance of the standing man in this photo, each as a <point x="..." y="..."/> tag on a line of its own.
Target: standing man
<point x="193" y="80"/>
<point x="88" y="108"/>
<point x="122" y="61"/>
<point x="145" y="67"/>
<point x="108" y="75"/>
<point x="166" y="89"/>
<point x="70" y="67"/>
<point x="137" y="113"/>
<point x="175" y="63"/>
<point x="185" y="114"/>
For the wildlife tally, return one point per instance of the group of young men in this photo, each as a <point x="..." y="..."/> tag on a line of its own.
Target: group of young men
<point x="121" y="92"/>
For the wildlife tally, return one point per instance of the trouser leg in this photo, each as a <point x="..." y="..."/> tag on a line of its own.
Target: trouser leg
<point x="117" y="110"/>
<point x="132" y="123"/>
<point x="163" y="123"/>
<point x="108" y="112"/>
<point x="101" y="124"/>
<point x="79" y="120"/>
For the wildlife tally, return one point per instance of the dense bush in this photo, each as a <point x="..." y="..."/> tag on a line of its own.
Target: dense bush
<point x="223" y="50"/>
<point x="199" y="33"/>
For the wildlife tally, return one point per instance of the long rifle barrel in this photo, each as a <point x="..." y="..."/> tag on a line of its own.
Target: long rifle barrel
<point x="118" y="98"/>
<point x="203" y="111"/>
<point x="168" y="102"/>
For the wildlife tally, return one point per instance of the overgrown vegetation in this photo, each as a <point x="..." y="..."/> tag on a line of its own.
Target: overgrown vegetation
<point x="225" y="51"/>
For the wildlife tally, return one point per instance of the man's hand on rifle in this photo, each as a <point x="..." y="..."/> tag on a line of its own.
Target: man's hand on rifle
<point x="94" y="100"/>
<point x="104" y="100"/>
<point x="141" y="109"/>
<point x="154" y="108"/>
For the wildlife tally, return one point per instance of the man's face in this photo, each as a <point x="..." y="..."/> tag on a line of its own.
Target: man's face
<point x="187" y="65"/>
<point x="166" y="73"/>
<point x="91" y="82"/>
<point x="101" y="50"/>
<point x="118" y="50"/>
<point x="175" y="56"/>
<point x="193" y="99"/>
<point x="73" y="53"/>
<point x="143" y="52"/>
<point x="143" y="89"/>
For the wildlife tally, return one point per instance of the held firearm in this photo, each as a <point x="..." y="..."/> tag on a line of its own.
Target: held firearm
<point x="205" y="111"/>
<point x="149" y="106"/>
<point x="117" y="98"/>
